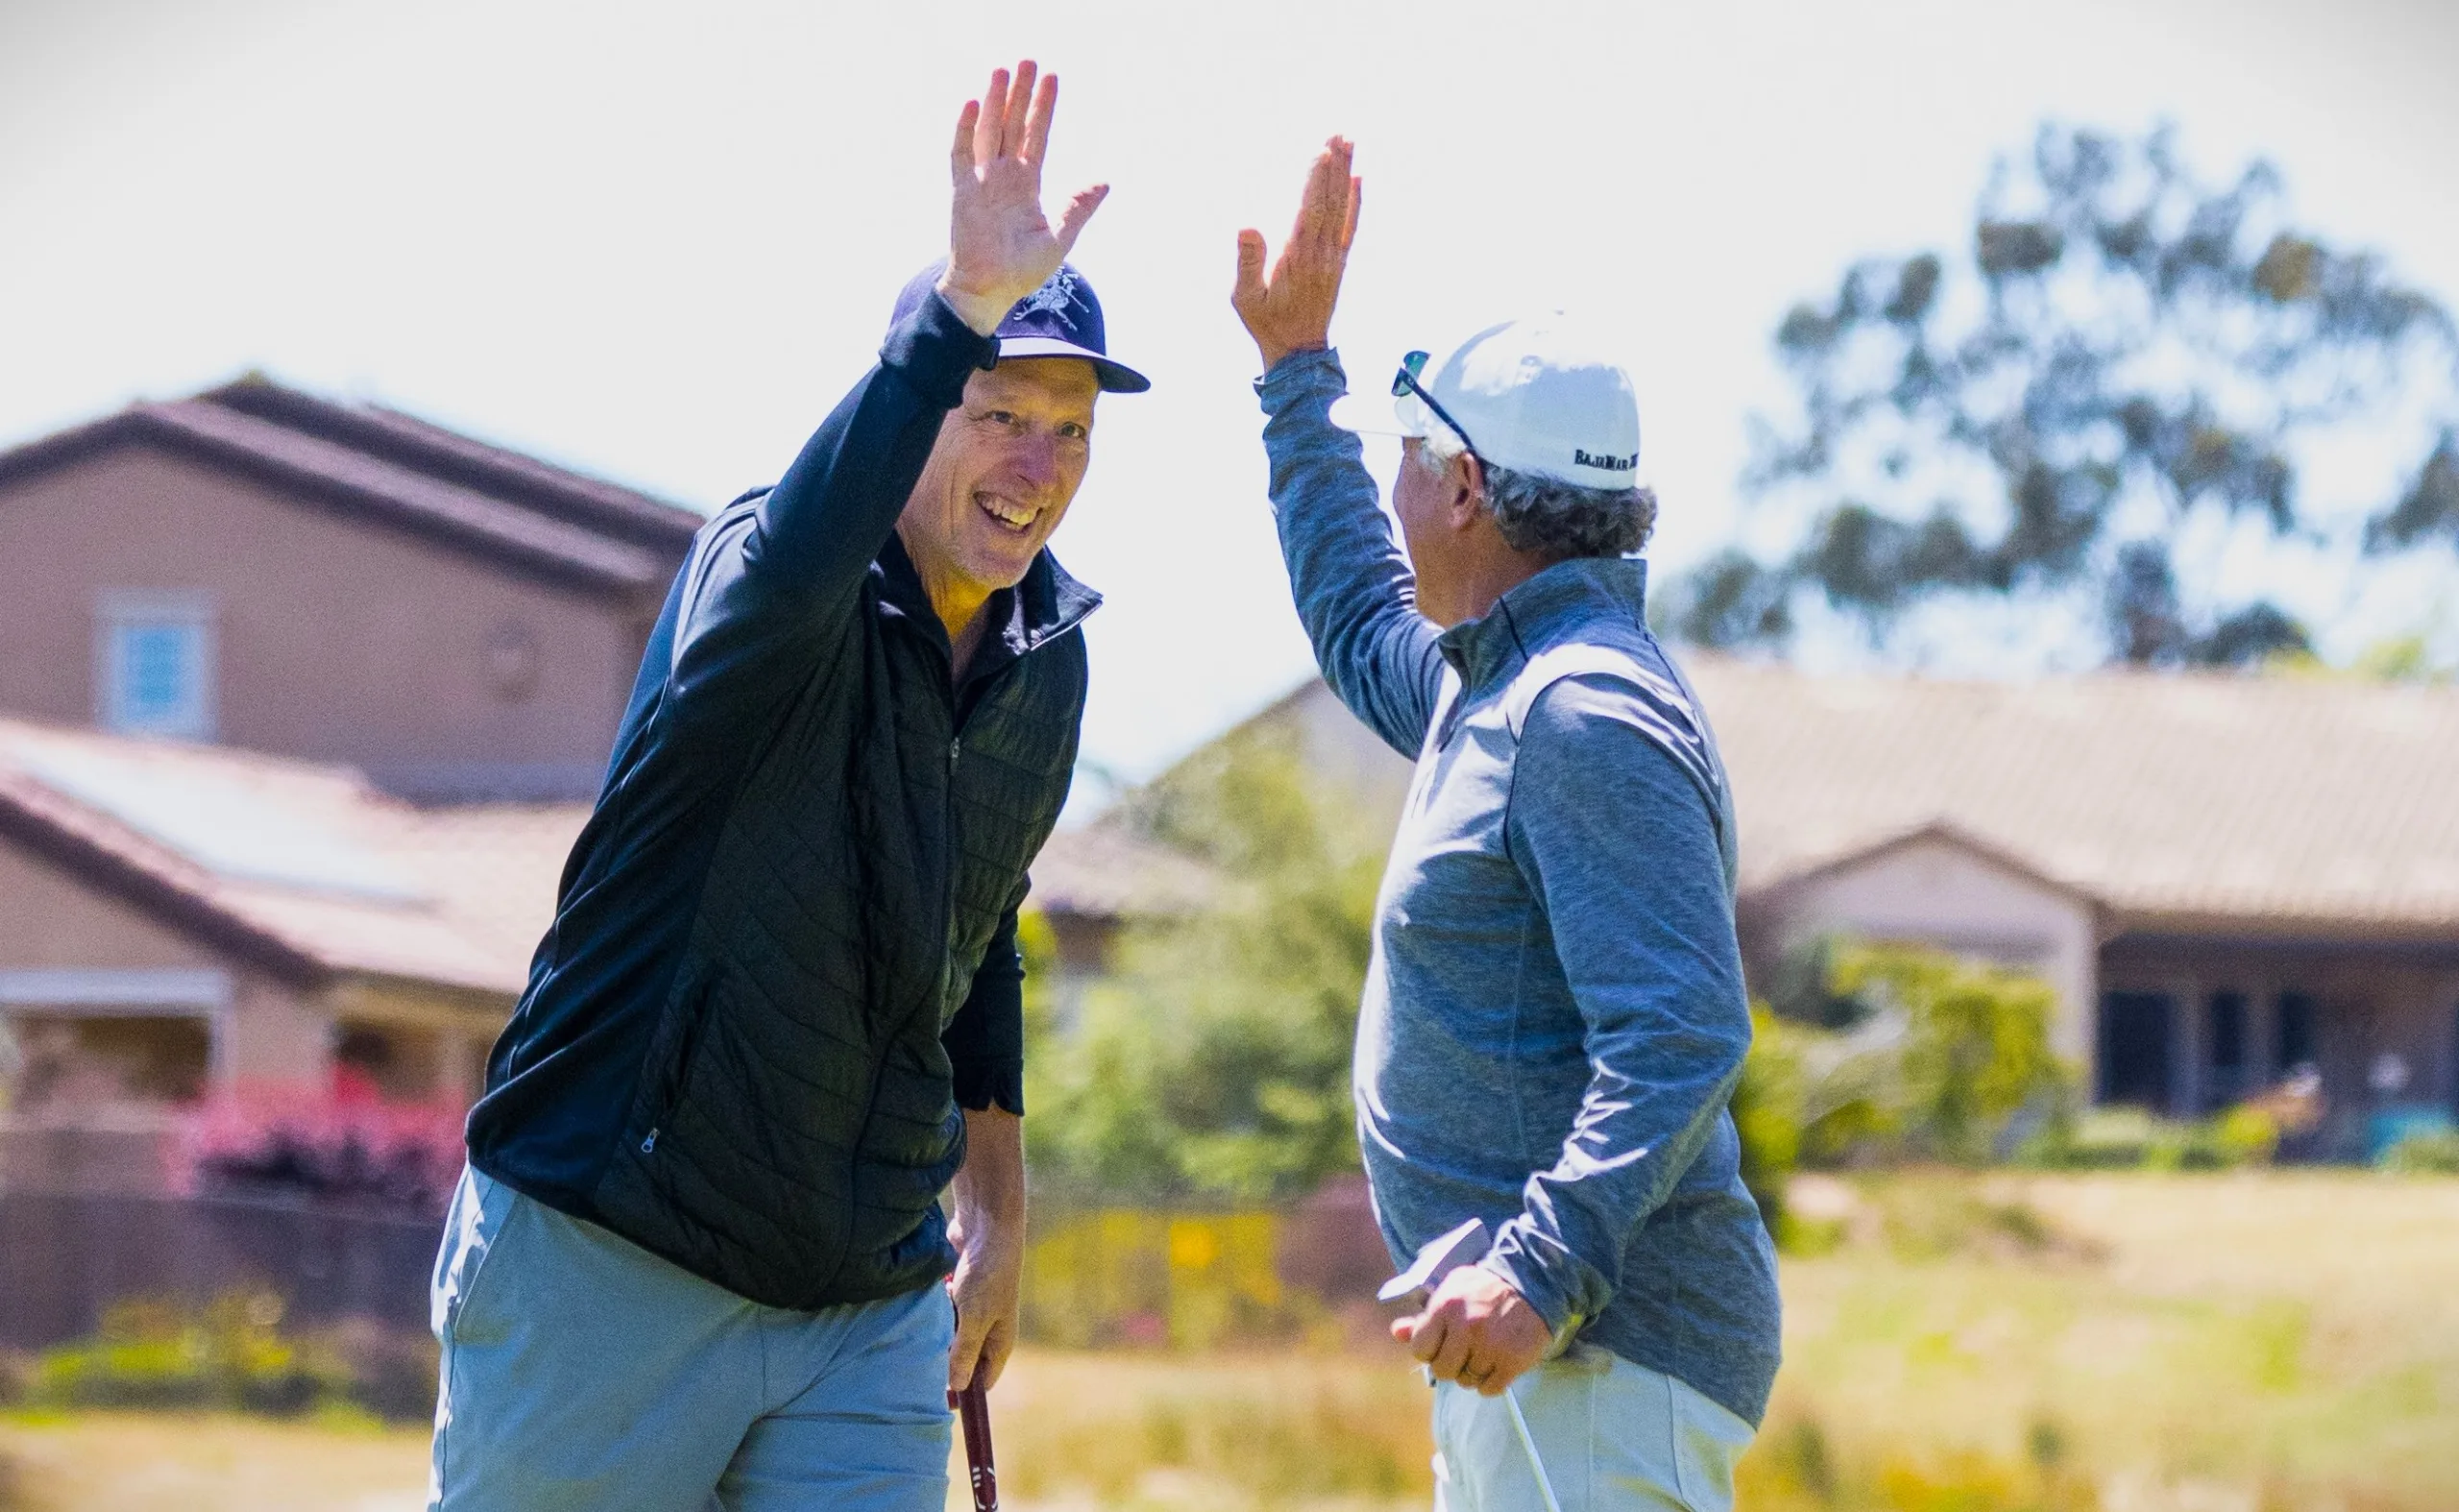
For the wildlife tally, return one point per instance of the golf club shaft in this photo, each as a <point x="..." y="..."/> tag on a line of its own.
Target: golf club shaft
<point x="1528" y="1442"/>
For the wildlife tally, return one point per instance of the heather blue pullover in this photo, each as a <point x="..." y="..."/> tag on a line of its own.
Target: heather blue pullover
<point x="1554" y="1014"/>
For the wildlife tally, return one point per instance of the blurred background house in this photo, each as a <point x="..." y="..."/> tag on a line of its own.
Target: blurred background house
<point x="2225" y="878"/>
<point x="301" y="704"/>
<point x="339" y="582"/>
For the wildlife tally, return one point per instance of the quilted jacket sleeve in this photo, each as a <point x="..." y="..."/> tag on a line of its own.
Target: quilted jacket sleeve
<point x="779" y="575"/>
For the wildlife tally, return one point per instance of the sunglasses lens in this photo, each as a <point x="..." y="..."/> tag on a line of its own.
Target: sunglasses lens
<point x="1407" y="377"/>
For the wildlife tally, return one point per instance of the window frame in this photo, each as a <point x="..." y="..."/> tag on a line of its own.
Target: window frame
<point x="119" y="611"/>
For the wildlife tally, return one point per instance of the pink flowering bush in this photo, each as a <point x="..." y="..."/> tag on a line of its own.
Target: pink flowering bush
<point x="346" y="1145"/>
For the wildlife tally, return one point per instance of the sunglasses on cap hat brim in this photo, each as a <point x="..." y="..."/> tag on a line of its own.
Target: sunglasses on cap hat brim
<point x="1408" y="419"/>
<point x="1406" y="385"/>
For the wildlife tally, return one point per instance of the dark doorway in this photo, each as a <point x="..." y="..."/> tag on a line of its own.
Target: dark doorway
<point x="2135" y="1049"/>
<point x="2224" y="1031"/>
<point x="2296" y="1039"/>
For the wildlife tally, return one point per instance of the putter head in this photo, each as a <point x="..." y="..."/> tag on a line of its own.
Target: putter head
<point x="1465" y="1245"/>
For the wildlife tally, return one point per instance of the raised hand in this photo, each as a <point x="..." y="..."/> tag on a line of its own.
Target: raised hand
<point x="1293" y="311"/>
<point x="1001" y="247"/>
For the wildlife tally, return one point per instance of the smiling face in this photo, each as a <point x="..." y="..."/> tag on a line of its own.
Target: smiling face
<point x="1006" y="465"/>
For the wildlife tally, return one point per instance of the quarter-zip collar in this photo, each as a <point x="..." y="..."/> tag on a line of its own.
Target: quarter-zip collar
<point x="1541" y="611"/>
<point x="1046" y="605"/>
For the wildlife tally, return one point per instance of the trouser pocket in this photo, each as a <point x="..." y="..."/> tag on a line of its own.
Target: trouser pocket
<point x="473" y="1228"/>
<point x="1708" y="1440"/>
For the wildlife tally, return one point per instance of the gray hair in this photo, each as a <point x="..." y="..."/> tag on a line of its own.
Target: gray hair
<point x="1547" y="517"/>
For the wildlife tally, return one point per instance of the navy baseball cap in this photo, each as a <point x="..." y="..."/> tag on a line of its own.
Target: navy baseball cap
<point x="1060" y="319"/>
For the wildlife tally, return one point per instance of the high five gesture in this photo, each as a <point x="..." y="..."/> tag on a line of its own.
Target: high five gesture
<point x="1001" y="247"/>
<point x="1293" y="311"/>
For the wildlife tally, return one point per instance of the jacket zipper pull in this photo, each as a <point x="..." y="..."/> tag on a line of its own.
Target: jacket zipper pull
<point x="649" y="1146"/>
<point x="956" y="748"/>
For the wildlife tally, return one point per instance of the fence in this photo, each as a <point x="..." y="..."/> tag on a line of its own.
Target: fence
<point x="1095" y="1275"/>
<point x="66" y="1256"/>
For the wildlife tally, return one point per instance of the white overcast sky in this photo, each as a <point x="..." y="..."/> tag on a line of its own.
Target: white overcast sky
<point x="656" y="242"/>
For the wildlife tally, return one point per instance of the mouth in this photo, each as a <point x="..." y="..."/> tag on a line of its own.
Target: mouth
<point x="1007" y="514"/>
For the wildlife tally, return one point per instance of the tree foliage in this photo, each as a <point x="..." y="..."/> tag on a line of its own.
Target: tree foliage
<point x="1216" y="1060"/>
<point x="2124" y="373"/>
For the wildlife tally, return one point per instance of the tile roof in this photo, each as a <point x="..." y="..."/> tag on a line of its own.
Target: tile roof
<point x="459" y="897"/>
<point x="316" y="872"/>
<point x="2205" y="800"/>
<point x="479" y="497"/>
<point x="578" y="499"/>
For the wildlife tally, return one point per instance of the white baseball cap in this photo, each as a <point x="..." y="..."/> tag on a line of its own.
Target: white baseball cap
<point x="1532" y="395"/>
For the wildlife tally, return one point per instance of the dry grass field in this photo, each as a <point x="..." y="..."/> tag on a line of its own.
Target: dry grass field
<point x="2257" y="1341"/>
<point x="2129" y="1343"/>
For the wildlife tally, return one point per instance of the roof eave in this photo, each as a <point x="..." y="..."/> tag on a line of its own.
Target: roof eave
<point x="163" y="897"/>
<point x="2278" y="931"/>
<point x="150" y="425"/>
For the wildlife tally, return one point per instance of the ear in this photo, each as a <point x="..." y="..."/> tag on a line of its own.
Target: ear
<point x="1466" y="478"/>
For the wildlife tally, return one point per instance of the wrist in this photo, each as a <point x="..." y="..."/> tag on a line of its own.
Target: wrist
<point x="1531" y="1286"/>
<point x="993" y="1250"/>
<point x="981" y="311"/>
<point x="1274" y="353"/>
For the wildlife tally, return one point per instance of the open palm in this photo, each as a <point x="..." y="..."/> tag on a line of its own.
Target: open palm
<point x="1001" y="247"/>
<point x="1291" y="310"/>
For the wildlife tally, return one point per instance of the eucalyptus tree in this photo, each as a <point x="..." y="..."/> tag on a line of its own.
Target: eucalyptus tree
<point x="2114" y="424"/>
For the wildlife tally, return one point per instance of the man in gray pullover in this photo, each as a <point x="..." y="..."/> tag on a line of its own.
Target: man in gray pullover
<point x="1554" y="1015"/>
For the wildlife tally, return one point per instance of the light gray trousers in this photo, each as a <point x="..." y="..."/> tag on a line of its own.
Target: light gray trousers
<point x="1615" y="1437"/>
<point x="581" y="1371"/>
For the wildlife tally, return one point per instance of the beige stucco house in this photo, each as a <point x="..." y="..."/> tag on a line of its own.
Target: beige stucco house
<point x="301" y="706"/>
<point x="267" y="568"/>
<point x="2223" y="877"/>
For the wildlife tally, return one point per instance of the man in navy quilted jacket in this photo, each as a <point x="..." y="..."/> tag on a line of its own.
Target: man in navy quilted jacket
<point x="700" y="1252"/>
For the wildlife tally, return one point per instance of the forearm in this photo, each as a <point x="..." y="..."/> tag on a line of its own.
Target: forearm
<point x="990" y="1188"/>
<point x="1635" y="1137"/>
<point x="1619" y="840"/>
<point x="1354" y="589"/>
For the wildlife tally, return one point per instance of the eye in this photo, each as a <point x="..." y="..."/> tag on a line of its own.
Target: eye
<point x="1073" y="431"/>
<point x="1001" y="417"/>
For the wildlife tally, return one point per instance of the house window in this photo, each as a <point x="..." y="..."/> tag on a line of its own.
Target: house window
<point x="2135" y="1049"/>
<point x="2296" y="1032"/>
<point x="154" y="673"/>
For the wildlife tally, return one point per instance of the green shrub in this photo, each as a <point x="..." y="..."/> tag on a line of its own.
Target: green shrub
<point x="2130" y="1138"/>
<point x="1767" y="1114"/>
<point x="231" y="1356"/>
<point x="1895" y="1052"/>
<point x="2431" y="1152"/>
<point x="1215" y="1061"/>
<point x="2245" y="1135"/>
<point x="1975" y="1052"/>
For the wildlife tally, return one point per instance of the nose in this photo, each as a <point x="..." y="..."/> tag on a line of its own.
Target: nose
<point x="1034" y="460"/>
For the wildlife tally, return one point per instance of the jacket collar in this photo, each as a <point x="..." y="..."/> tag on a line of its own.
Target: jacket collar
<point x="1543" y="610"/>
<point x="1046" y="605"/>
